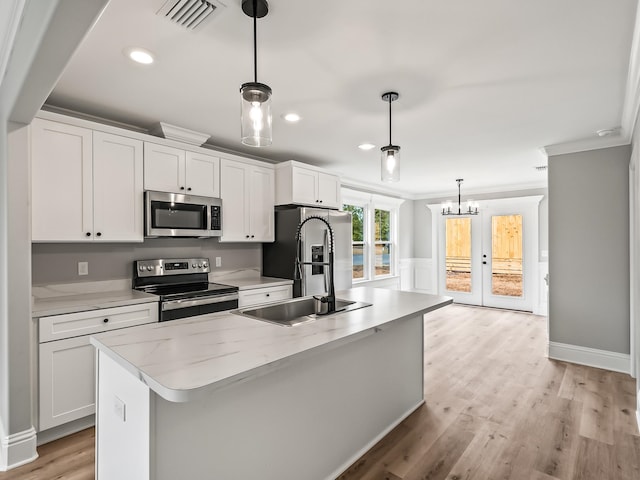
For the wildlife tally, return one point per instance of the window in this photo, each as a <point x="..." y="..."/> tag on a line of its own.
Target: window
<point x="373" y="236"/>
<point x="383" y="242"/>
<point x="357" y="239"/>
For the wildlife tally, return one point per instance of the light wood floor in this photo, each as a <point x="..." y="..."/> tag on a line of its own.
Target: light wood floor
<point x="496" y="408"/>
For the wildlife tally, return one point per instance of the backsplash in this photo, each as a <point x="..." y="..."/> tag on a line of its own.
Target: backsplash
<point x="58" y="263"/>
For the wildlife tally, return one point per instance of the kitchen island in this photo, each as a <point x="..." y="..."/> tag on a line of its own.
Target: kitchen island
<point x="222" y="396"/>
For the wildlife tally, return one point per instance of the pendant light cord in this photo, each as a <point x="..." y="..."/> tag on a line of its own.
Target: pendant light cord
<point x="390" y="143"/>
<point x="255" y="42"/>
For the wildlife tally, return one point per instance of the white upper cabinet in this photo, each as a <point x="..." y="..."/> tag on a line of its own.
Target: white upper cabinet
<point x="86" y="186"/>
<point x="247" y="192"/>
<point x="117" y="188"/>
<point x="299" y="184"/>
<point x="170" y="169"/>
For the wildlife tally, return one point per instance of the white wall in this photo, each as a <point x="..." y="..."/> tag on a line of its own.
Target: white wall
<point x="422" y="219"/>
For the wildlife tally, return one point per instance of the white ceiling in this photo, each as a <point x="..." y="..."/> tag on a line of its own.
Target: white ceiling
<point x="483" y="85"/>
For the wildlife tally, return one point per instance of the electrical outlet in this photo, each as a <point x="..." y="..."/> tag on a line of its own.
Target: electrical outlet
<point x="83" y="268"/>
<point x="120" y="408"/>
<point x="218" y="261"/>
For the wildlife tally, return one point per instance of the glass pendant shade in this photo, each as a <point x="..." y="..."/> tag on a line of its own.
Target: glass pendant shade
<point x="256" y="114"/>
<point x="390" y="163"/>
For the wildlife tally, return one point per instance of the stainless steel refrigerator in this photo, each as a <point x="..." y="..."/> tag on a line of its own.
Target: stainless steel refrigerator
<point x="278" y="258"/>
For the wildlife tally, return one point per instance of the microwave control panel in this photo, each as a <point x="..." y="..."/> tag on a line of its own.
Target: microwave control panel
<point x="216" y="217"/>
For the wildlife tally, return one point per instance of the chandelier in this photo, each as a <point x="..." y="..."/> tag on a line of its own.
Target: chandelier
<point x="448" y="208"/>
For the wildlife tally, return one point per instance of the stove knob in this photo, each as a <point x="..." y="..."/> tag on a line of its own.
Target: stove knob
<point x="205" y="265"/>
<point x="193" y="265"/>
<point x="141" y="268"/>
<point x="199" y="265"/>
<point x="149" y="268"/>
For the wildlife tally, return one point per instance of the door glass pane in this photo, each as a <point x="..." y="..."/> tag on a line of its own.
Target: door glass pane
<point x="458" y="254"/>
<point x="506" y="255"/>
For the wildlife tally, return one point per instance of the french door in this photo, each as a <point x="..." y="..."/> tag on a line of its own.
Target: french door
<point x="491" y="259"/>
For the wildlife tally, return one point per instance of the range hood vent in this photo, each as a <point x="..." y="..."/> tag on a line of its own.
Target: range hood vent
<point x="189" y="14"/>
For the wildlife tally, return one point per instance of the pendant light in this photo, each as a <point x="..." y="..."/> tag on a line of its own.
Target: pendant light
<point x="390" y="159"/>
<point x="472" y="207"/>
<point x="256" y="97"/>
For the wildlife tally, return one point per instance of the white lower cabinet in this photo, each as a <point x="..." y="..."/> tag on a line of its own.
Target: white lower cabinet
<point x="257" y="296"/>
<point x="67" y="390"/>
<point x="66" y="366"/>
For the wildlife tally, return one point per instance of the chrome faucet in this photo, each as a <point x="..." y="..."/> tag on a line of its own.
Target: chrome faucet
<point x="297" y="275"/>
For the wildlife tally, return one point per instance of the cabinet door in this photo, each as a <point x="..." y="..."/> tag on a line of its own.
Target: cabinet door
<point x="67" y="381"/>
<point x="164" y="168"/>
<point x="117" y="188"/>
<point x="262" y="192"/>
<point x="304" y="186"/>
<point x="235" y="201"/>
<point x="61" y="182"/>
<point x="329" y="190"/>
<point x="202" y="175"/>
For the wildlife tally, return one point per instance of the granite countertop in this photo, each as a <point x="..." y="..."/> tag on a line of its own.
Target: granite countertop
<point x="249" y="283"/>
<point x="183" y="359"/>
<point x="80" y="302"/>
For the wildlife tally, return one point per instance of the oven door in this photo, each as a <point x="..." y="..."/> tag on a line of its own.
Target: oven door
<point x="175" y="215"/>
<point x="189" y="307"/>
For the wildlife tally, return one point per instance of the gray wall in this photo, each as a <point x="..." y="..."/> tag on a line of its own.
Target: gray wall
<point x="422" y="219"/>
<point x="405" y="230"/>
<point x="589" y="249"/>
<point x="47" y="35"/>
<point x="58" y="263"/>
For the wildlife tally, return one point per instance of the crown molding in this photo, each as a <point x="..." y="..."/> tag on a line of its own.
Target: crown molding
<point x="587" y="144"/>
<point x="495" y="190"/>
<point x="374" y="188"/>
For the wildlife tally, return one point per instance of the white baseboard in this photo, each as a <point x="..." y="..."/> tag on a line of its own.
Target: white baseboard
<point x="46" y="436"/>
<point x="617" y="362"/>
<point x="17" y="449"/>
<point x="638" y="409"/>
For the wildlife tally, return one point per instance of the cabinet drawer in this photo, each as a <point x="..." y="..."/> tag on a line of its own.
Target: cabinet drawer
<point x="256" y="296"/>
<point x="58" y="327"/>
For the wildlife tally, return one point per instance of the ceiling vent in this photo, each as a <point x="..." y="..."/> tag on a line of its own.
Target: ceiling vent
<point x="189" y="14"/>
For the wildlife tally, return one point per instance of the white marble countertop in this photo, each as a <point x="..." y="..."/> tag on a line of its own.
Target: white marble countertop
<point x="183" y="359"/>
<point x="256" y="282"/>
<point x="80" y="302"/>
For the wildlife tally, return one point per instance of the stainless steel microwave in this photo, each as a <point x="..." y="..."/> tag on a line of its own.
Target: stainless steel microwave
<point x="178" y="215"/>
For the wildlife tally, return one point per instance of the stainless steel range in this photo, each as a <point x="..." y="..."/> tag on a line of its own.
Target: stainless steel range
<point x="183" y="286"/>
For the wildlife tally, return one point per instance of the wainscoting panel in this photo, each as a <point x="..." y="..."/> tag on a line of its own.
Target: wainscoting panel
<point x="416" y="275"/>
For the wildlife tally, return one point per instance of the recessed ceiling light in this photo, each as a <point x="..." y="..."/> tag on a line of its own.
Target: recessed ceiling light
<point x="139" y="55"/>
<point x="366" y="146"/>
<point x="292" y="117"/>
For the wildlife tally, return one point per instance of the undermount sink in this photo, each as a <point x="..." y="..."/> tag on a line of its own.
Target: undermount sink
<point x="296" y="311"/>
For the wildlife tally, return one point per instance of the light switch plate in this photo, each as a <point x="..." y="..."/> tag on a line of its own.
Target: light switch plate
<point x="218" y="261"/>
<point x="83" y="268"/>
<point x="120" y="408"/>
